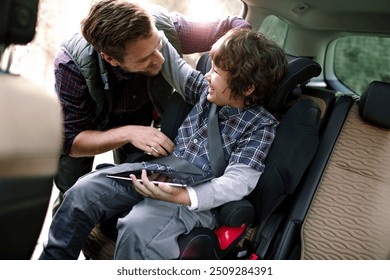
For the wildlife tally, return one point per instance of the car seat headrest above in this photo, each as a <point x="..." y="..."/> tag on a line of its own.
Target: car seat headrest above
<point x="300" y="70"/>
<point x="17" y="21"/>
<point x="374" y="104"/>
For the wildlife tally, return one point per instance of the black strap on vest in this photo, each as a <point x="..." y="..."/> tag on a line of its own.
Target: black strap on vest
<point x="103" y="74"/>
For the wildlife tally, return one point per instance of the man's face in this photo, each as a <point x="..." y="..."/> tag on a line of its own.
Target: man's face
<point x="142" y="56"/>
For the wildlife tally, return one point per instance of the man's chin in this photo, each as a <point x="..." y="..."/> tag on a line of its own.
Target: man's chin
<point x="150" y="73"/>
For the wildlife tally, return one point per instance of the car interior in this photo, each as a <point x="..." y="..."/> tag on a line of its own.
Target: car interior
<point x="325" y="192"/>
<point x="293" y="151"/>
<point x="326" y="199"/>
<point x="331" y="215"/>
<point x="359" y="180"/>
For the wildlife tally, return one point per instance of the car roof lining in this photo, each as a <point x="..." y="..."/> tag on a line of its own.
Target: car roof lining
<point x="334" y="15"/>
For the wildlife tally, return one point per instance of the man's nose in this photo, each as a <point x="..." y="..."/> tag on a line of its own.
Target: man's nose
<point x="158" y="58"/>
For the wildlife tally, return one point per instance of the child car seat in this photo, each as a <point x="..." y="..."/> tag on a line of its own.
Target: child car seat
<point x="294" y="146"/>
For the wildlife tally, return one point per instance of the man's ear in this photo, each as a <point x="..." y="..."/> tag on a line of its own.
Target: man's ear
<point x="109" y="59"/>
<point x="249" y="90"/>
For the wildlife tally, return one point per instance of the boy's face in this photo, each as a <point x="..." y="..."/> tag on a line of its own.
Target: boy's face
<point x="219" y="91"/>
<point x="142" y="56"/>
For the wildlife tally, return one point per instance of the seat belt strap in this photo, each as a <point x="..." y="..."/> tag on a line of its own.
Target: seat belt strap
<point x="217" y="156"/>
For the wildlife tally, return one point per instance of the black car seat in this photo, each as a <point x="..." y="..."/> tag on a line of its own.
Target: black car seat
<point x="294" y="146"/>
<point x="30" y="142"/>
<point x="285" y="236"/>
<point x="349" y="215"/>
<point x="236" y="217"/>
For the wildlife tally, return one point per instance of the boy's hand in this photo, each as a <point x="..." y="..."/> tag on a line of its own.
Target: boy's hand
<point x="163" y="191"/>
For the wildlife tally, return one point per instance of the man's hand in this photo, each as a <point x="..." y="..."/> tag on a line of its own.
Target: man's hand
<point x="146" y="138"/>
<point x="163" y="191"/>
<point x="150" y="140"/>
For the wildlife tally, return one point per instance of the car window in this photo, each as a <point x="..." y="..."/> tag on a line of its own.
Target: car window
<point x="359" y="60"/>
<point x="274" y="28"/>
<point x="203" y="9"/>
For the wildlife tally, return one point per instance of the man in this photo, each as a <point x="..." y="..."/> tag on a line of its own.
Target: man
<point x="109" y="85"/>
<point x="246" y="69"/>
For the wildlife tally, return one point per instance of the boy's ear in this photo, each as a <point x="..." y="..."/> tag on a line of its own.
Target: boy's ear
<point x="109" y="59"/>
<point x="249" y="90"/>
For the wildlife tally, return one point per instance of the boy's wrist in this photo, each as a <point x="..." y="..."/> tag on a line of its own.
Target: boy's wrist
<point x="193" y="198"/>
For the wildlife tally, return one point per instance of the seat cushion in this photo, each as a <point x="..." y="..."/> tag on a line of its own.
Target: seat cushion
<point x="349" y="215"/>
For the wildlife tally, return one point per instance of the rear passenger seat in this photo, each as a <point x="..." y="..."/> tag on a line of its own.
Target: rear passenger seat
<point x="349" y="215"/>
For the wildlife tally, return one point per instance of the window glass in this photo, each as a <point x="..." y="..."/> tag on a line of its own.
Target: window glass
<point x="359" y="60"/>
<point x="275" y="29"/>
<point x="202" y="9"/>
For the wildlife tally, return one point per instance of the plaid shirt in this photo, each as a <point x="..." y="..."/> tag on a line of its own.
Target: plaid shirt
<point x="247" y="134"/>
<point x="197" y="36"/>
<point x="130" y="92"/>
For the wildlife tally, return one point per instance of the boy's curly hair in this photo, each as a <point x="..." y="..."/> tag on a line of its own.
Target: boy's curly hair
<point x="251" y="59"/>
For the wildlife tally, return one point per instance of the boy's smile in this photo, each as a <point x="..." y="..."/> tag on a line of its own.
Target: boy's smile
<point x="219" y="91"/>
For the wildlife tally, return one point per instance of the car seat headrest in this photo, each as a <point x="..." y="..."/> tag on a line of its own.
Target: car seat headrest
<point x="374" y="104"/>
<point x="204" y="63"/>
<point x="17" y="21"/>
<point x="300" y="70"/>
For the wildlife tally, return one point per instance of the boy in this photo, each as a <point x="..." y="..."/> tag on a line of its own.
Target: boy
<point x="246" y="69"/>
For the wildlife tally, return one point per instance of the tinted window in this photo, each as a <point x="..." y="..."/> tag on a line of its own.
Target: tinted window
<point x="275" y="29"/>
<point x="358" y="60"/>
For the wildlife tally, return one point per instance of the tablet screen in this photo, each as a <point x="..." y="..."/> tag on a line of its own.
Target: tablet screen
<point x="176" y="179"/>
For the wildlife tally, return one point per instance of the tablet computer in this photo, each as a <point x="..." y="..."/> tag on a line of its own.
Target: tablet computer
<point x="175" y="179"/>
